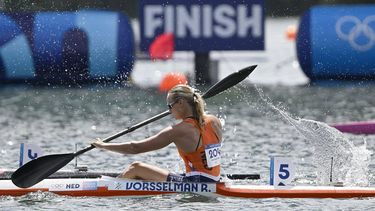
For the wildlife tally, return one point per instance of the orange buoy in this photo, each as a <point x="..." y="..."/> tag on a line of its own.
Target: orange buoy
<point x="172" y="79"/>
<point x="291" y="32"/>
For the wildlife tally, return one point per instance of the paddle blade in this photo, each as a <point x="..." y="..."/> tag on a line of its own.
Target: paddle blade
<point x="229" y="81"/>
<point x="36" y="170"/>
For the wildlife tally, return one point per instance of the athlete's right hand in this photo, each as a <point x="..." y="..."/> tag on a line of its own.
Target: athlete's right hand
<point x="98" y="143"/>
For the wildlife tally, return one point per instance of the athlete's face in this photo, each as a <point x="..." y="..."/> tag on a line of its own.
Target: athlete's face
<point x="172" y="104"/>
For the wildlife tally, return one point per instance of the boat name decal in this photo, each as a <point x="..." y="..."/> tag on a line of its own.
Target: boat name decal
<point x="164" y="186"/>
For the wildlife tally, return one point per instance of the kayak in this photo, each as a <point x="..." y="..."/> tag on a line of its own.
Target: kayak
<point x="102" y="184"/>
<point x="365" y="127"/>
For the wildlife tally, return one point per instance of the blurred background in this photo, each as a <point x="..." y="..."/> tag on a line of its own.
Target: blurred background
<point x="274" y="8"/>
<point x="288" y="56"/>
<point x="288" y="52"/>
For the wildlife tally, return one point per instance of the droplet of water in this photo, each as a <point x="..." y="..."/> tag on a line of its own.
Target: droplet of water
<point x="234" y="129"/>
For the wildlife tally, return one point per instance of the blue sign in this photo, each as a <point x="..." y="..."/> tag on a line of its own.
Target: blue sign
<point x="338" y="42"/>
<point x="203" y="26"/>
<point x="65" y="47"/>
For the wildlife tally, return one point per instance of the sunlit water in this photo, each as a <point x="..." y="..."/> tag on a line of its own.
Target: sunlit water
<point x="57" y="119"/>
<point x="263" y="120"/>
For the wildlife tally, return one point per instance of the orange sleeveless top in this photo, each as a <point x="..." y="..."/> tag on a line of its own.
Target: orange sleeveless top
<point x="196" y="161"/>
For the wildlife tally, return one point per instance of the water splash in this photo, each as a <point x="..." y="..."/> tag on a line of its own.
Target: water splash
<point x="336" y="157"/>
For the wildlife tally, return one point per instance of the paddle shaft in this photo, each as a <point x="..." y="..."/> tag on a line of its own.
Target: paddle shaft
<point x="128" y="130"/>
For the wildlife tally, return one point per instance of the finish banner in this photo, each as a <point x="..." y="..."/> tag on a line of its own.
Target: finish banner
<point x="203" y="26"/>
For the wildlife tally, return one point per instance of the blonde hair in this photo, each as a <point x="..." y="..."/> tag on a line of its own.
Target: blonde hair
<point x="194" y="99"/>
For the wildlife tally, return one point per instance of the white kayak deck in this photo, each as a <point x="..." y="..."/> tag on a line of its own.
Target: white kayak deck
<point x="79" y="185"/>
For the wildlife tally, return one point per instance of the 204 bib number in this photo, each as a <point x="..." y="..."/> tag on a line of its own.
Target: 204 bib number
<point x="213" y="156"/>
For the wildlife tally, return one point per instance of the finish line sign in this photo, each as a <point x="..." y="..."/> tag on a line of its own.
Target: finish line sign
<point x="203" y="26"/>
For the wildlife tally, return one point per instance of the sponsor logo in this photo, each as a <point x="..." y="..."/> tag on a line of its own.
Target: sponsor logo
<point x="359" y="34"/>
<point x="118" y="186"/>
<point x="90" y="185"/>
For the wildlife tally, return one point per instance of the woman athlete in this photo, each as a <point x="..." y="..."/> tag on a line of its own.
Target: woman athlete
<point x="197" y="137"/>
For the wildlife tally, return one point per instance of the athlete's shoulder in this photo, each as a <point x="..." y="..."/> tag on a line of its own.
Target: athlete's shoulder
<point x="212" y="119"/>
<point x="183" y="127"/>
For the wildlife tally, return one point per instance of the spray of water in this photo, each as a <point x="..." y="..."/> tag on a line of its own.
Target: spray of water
<point x="336" y="158"/>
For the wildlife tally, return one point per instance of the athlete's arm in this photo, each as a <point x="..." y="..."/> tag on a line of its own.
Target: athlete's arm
<point x="158" y="141"/>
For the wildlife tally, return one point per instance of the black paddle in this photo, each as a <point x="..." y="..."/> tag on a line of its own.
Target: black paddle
<point x="40" y="168"/>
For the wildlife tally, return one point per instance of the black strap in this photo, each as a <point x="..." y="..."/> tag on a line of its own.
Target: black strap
<point x="199" y="141"/>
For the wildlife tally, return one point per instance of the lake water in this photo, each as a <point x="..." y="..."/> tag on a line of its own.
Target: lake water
<point x="270" y="114"/>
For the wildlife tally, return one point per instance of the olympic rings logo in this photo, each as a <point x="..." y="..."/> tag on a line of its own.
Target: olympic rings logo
<point x="57" y="186"/>
<point x="361" y="35"/>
